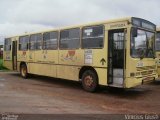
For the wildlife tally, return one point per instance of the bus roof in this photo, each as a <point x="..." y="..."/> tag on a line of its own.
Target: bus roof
<point x="129" y="19"/>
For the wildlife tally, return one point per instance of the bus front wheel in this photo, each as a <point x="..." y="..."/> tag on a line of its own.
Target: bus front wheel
<point x="24" y="72"/>
<point x="89" y="81"/>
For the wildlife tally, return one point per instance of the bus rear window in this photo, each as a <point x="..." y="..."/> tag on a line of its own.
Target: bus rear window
<point x="93" y="37"/>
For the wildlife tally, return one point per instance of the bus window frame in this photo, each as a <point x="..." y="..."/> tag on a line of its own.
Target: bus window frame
<point x="104" y="36"/>
<point x="35" y="49"/>
<point x="70" y="48"/>
<point x="133" y="26"/>
<point x="57" y="41"/>
<point x="158" y="32"/>
<point x="10" y="46"/>
<point x="27" y="43"/>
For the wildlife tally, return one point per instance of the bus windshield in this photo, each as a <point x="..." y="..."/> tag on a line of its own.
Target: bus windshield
<point x="142" y="44"/>
<point x="158" y="42"/>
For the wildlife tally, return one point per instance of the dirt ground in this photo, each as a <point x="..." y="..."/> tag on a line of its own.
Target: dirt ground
<point x="43" y="95"/>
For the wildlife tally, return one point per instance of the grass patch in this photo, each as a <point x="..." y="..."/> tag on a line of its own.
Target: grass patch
<point x="1" y="65"/>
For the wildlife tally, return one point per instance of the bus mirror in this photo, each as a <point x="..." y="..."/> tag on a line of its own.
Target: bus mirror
<point x="134" y="32"/>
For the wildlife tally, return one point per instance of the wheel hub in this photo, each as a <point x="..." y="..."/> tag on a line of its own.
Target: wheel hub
<point x="89" y="81"/>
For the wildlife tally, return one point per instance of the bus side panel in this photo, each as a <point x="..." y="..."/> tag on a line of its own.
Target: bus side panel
<point x="31" y="56"/>
<point x="50" y="58"/>
<point x="68" y="72"/>
<point x="42" y="69"/>
<point x="7" y="60"/>
<point x="22" y="56"/>
<point x="44" y="63"/>
<point x="31" y="62"/>
<point x="34" y="68"/>
<point x="8" y="64"/>
<point x="69" y="62"/>
<point x="71" y="57"/>
<point x="99" y="57"/>
<point x="38" y="56"/>
<point x="102" y="75"/>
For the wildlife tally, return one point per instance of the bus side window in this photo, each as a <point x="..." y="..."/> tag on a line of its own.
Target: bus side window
<point x="23" y="43"/>
<point x="35" y="42"/>
<point x="7" y="44"/>
<point x="32" y="42"/>
<point x="93" y="37"/>
<point x="70" y="39"/>
<point x="50" y="40"/>
<point x="157" y="46"/>
<point x="39" y="41"/>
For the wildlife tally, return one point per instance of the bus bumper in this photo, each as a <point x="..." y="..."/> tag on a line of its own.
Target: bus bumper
<point x="133" y="82"/>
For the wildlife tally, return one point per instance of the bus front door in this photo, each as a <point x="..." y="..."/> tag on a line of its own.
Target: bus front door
<point x="14" y="55"/>
<point x="116" y="57"/>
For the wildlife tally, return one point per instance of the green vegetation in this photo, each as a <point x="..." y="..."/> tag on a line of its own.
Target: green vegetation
<point x="1" y="65"/>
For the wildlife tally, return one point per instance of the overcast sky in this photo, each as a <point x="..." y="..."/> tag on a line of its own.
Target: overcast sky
<point x="20" y="16"/>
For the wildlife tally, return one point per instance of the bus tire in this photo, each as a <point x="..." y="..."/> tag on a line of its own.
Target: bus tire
<point x="89" y="81"/>
<point x="23" y="71"/>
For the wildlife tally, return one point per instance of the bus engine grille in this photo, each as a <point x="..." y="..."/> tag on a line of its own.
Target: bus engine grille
<point x="147" y="70"/>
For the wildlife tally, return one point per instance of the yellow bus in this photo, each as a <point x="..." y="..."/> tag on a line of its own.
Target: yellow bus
<point x="117" y="53"/>
<point x="158" y="50"/>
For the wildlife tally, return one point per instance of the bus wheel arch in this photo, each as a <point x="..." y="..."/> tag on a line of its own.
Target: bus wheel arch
<point x="89" y="78"/>
<point x="23" y="70"/>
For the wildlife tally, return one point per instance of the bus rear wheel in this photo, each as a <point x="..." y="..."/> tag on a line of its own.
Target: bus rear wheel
<point x="23" y="71"/>
<point x="89" y="81"/>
